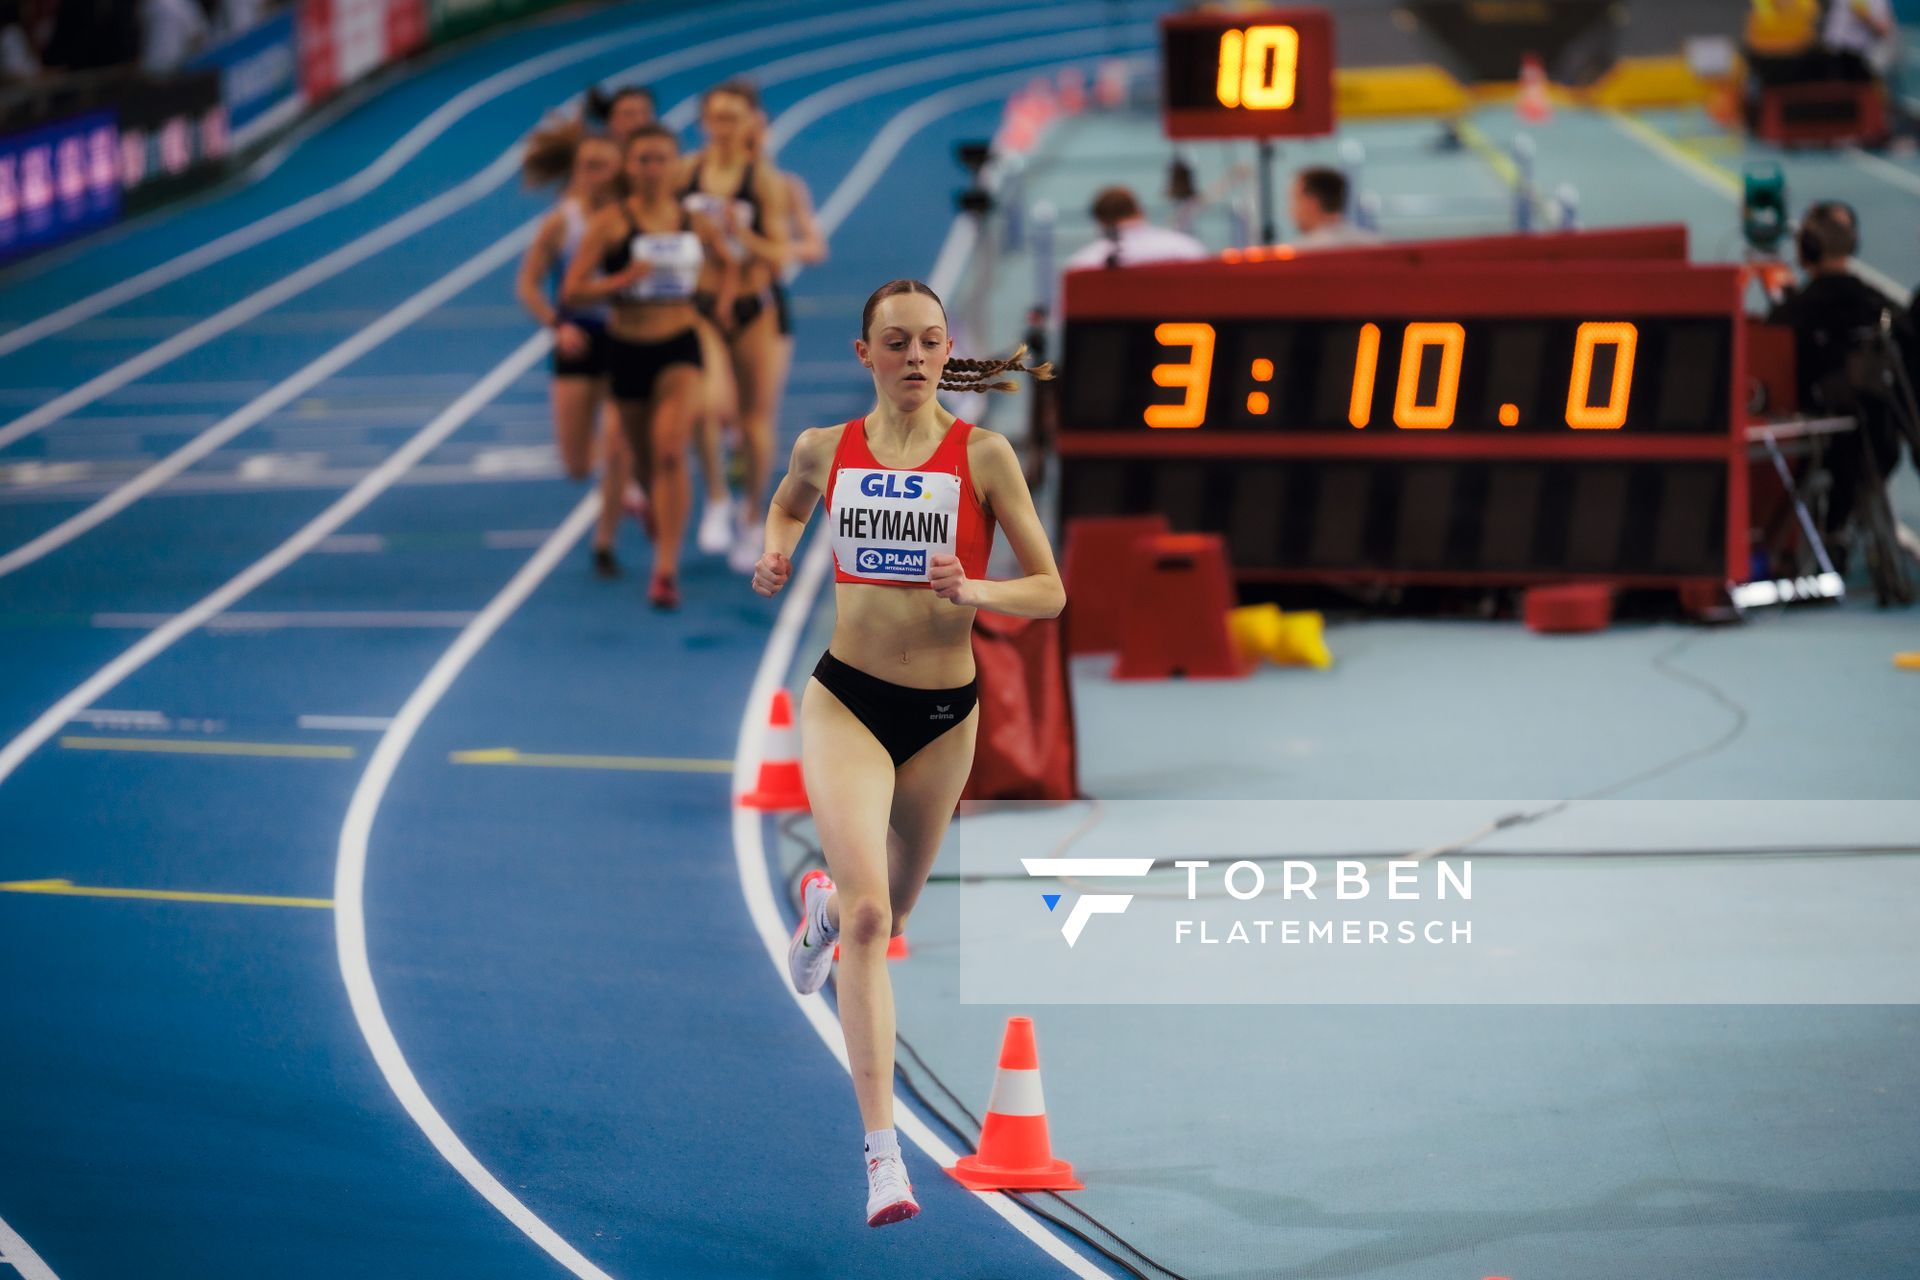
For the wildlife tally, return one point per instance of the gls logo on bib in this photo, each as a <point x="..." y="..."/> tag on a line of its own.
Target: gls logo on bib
<point x="876" y="484"/>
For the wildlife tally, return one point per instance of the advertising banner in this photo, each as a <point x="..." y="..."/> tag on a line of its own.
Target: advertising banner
<point x="58" y="181"/>
<point x="343" y="40"/>
<point x="169" y="129"/>
<point x="259" y="77"/>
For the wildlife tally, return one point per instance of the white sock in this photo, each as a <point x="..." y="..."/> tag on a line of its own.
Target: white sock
<point x="882" y="1143"/>
<point x="823" y="927"/>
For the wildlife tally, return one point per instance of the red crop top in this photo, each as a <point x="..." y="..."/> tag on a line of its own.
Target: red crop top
<point x="887" y="523"/>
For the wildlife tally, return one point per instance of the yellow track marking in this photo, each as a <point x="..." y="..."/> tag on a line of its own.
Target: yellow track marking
<point x="68" y="888"/>
<point x="645" y="764"/>
<point x="1712" y="174"/>
<point x="209" y="747"/>
<point x="1496" y="159"/>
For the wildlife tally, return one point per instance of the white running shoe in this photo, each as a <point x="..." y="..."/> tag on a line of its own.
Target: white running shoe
<point x="716" y="528"/>
<point x="810" y="954"/>
<point x="889" y="1193"/>
<point x="747" y="545"/>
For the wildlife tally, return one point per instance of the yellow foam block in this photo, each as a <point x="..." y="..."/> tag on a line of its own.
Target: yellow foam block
<point x="1650" y="82"/>
<point x="1424" y="89"/>
<point x="1255" y="629"/>
<point x="1907" y="661"/>
<point x="1302" y="642"/>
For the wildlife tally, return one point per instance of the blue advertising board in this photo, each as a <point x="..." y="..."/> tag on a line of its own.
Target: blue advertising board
<point x="259" y="76"/>
<point x="58" y="181"/>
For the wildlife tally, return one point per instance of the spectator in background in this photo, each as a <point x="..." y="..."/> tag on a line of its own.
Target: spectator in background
<point x="1128" y="239"/>
<point x="1318" y="206"/>
<point x="235" y="16"/>
<point x="18" y="58"/>
<point x="1832" y="316"/>
<point x="1858" y="36"/>
<point x="171" y="31"/>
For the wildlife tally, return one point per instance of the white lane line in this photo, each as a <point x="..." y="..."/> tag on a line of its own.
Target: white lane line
<point x="449" y="285"/>
<point x="384" y="166"/>
<point x="385" y="236"/>
<point x="347" y="619"/>
<point x="238" y="313"/>
<point x="353" y="544"/>
<point x="347" y="724"/>
<point x="104" y="718"/>
<point x="309" y="535"/>
<point x="1885" y="170"/>
<point x="349" y="881"/>
<point x="16" y="1253"/>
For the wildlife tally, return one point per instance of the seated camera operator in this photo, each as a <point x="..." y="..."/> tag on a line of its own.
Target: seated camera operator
<point x="1835" y="316"/>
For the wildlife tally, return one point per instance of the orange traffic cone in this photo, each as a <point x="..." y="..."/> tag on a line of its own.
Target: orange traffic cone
<point x="1534" y="105"/>
<point x="779" y="786"/>
<point x="896" y="948"/>
<point x="1015" y="1154"/>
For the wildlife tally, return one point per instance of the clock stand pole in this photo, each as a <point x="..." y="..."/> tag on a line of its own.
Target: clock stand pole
<point x="1269" y="231"/>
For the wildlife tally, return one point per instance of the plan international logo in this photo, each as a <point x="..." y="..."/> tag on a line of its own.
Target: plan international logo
<point x="891" y="561"/>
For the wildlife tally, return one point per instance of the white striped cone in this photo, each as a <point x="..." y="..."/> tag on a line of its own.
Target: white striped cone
<point x="1015" y="1152"/>
<point x="779" y="786"/>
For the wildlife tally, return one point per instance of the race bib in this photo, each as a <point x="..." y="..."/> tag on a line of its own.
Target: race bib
<point x="675" y="260"/>
<point x="715" y="207"/>
<point x="890" y="524"/>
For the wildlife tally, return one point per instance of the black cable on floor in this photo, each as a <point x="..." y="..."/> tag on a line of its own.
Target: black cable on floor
<point x="1025" y="1198"/>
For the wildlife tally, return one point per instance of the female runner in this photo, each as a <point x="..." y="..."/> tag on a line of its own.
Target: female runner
<point x="809" y="241"/>
<point x="750" y="206"/>
<point x="591" y="168"/>
<point x="887" y="723"/>
<point x="647" y="256"/>
<point x="621" y="112"/>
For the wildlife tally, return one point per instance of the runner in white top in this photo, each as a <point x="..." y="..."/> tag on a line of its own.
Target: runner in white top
<point x="590" y="167"/>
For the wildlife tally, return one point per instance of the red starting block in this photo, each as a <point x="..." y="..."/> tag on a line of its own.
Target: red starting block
<point x="1099" y="574"/>
<point x="1570" y="609"/>
<point x="1176" y="611"/>
<point x="1822" y="113"/>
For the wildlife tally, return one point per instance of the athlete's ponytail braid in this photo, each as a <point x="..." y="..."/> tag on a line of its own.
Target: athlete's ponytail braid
<point x="984" y="375"/>
<point x="960" y="374"/>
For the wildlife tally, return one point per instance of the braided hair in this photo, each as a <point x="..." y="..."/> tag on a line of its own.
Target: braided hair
<point x="984" y="375"/>
<point x="960" y="374"/>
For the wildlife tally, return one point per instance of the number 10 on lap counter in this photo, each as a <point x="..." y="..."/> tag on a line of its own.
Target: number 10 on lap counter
<point x="1266" y="74"/>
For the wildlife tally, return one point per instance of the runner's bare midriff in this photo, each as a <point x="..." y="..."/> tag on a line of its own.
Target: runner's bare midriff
<point x="906" y="635"/>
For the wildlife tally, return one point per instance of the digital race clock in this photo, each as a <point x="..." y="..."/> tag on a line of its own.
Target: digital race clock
<point x="1465" y="421"/>
<point x="1266" y="74"/>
